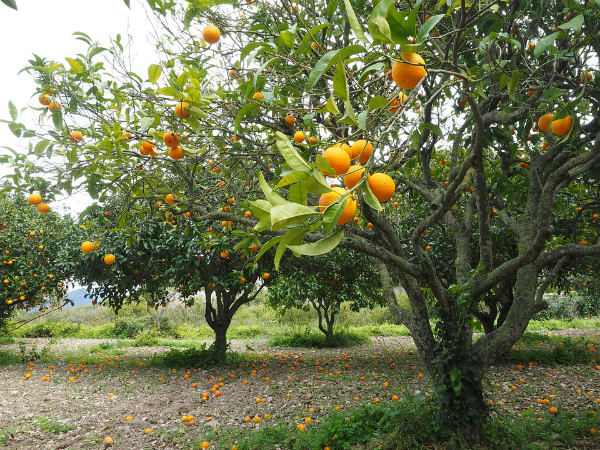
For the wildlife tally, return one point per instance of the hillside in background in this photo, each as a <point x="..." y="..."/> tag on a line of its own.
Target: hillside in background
<point x="79" y="298"/>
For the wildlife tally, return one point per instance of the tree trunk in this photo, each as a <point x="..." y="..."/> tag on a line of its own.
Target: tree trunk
<point x="220" y="345"/>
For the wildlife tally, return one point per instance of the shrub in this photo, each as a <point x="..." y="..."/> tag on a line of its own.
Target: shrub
<point x="544" y="349"/>
<point x="130" y="327"/>
<point x="146" y="339"/>
<point x="317" y="340"/>
<point x="201" y="357"/>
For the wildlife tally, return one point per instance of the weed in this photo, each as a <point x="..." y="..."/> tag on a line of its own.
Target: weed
<point x="317" y="340"/>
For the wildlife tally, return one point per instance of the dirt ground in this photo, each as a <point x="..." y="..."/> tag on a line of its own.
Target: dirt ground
<point x="283" y="383"/>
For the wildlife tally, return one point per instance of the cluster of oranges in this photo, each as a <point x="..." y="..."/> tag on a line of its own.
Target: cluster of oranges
<point x="36" y="200"/>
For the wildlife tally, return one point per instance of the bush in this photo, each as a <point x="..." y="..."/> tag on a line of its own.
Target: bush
<point x="317" y="340"/>
<point x="544" y="349"/>
<point x="130" y="327"/>
<point x="146" y="339"/>
<point x="245" y="332"/>
<point x="202" y="357"/>
<point x="187" y="331"/>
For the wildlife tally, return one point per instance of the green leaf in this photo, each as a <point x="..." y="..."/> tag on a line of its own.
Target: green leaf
<point x="378" y="25"/>
<point x="254" y="45"/>
<point x="544" y="42"/>
<point x="298" y="193"/>
<point x="455" y="375"/>
<point x="127" y="3"/>
<point x="265" y="248"/>
<point x="513" y="84"/>
<point x="168" y="91"/>
<point x="241" y="113"/>
<point x="328" y="60"/>
<point x="75" y="65"/>
<point x="292" y="178"/>
<point x="317" y="184"/>
<point x="40" y="147"/>
<point x="57" y="119"/>
<point x="12" y="109"/>
<point x="323" y="164"/>
<point x="10" y="3"/>
<point x="154" y="72"/>
<point x="290" y="213"/>
<point x="362" y="119"/>
<point x="330" y="107"/>
<point x="340" y="82"/>
<point x="332" y="214"/>
<point x="552" y="94"/>
<point x="273" y="198"/>
<point x="263" y="224"/>
<point x="289" y="36"/>
<point x="434" y="128"/>
<point x="295" y="235"/>
<point x="370" y="198"/>
<point x="321" y="247"/>
<point x="310" y="37"/>
<point x="146" y="123"/>
<point x="428" y="26"/>
<point x="378" y="102"/>
<point x="354" y="23"/>
<point x="290" y="154"/>
<point x="574" y="24"/>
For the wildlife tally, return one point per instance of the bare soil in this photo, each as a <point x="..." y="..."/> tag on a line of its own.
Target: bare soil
<point x="284" y="383"/>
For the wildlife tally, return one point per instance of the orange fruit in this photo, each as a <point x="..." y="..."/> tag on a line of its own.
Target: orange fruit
<point x="330" y="197"/>
<point x="354" y="175"/>
<point x="44" y="100"/>
<point x="266" y="276"/>
<point x="339" y="160"/>
<point x="290" y="120"/>
<point x="53" y="105"/>
<point x="211" y="34"/>
<point x="396" y="102"/>
<point x="108" y="441"/>
<point x="225" y="254"/>
<point x="148" y="431"/>
<point x="312" y="140"/>
<point x="531" y="91"/>
<point x="170" y="198"/>
<point x="362" y="150"/>
<point x="204" y="445"/>
<point x="109" y="259"/>
<point x="35" y="199"/>
<point x="75" y="136"/>
<point x="299" y="137"/>
<point x="43" y="208"/>
<point x="171" y="139"/>
<point x="176" y="153"/>
<point x="544" y="121"/>
<point x="128" y="418"/>
<point x="382" y="186"/>
<point x="87" y="247"/>
<point x="258" y="96"/>
<point x="582" y="77"/>
<point x="561" y="127"/>
<point x="127" y="136"/>
<point x="181" y="109"/>
<point x="406" y="75"/>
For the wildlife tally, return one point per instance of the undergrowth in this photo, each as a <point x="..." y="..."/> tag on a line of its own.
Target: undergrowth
<point x="318" y="340"/>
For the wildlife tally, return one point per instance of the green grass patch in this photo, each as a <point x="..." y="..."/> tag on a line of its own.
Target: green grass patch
<point x="7" y="358"/>
<point x="317" y="340"/>
<point x="563" y="324"/>
<point x="201" y="357"/>
<point x="5" y="340"/>
<point x="386" y="329"/>
<point x="550" y="350"/>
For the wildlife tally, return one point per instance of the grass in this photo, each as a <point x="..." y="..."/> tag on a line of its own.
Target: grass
<point x="41" y="423"/>
<point x="317" y="340"/>
<point x="544" y="349"/>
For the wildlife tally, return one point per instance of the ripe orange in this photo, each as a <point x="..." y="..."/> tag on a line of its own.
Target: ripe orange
<point x="211" y="34"/>
<point x="312" y="140"/>
<point x="53" y="105"/>
<point x="127" y="136"/>
<point x="382" y="186"/>
<point x="406" y="75"/>
<point x="396" y="102"/>
<point x="583" y="76"/>
<point x="87" y="247"/>
<point x="339" y="160"/>
<point x="44" y="100"/>
<point x="75" y="136"/>
<point x="148" y="431"/>
<point x="43" y="208"/>
<point x="531" y="91"/>
<point x="109" y="259"/>
<point x="181" y="109"/>
<point x="544" y="121"/>
<point x="330" y="197"/>
<point x="225" y="254"/>
<point x="299" y="137"/>
<point x="258" y="96"/>
<point x="290" y="120"/>
<point x="204" y="445"/>
<point x="176" y="153"/>
<point x="35" y="199"/>
<point x="148" y="147"/>
<point x="561" y="127"/>
<point x="108" y="441"/>
<point x="266" y="276"/>
<point x="171" y="139"/>
<point x="362" y="150"/>
<point x="355" y="173"/>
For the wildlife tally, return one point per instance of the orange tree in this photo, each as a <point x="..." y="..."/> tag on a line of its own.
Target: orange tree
<point x="448" y="107"/>
<point x="132" y="255"/>
<point x="34" y="247"/>
<point x="325" y="283"/>
<point x="466" y="116"/>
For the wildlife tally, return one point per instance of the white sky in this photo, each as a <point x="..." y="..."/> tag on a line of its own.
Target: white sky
<point x="45" y="27"/>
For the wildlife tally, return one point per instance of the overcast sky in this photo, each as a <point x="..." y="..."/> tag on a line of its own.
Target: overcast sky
<point x="46" y="27"/>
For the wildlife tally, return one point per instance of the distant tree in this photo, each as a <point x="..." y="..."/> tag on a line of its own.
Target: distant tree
<point x="33" y="248"/>
<point x="324" y="283"/>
